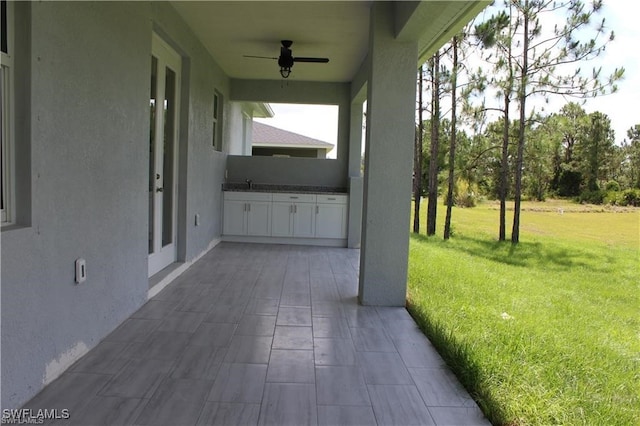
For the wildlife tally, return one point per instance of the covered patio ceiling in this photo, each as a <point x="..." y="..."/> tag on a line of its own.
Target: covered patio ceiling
<point x="338" y="30"/>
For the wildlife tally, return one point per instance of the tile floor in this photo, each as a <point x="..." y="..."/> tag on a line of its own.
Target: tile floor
<point x="263" y="334"/>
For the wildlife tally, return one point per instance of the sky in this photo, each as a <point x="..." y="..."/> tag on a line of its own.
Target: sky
<point x="621" y="16"/>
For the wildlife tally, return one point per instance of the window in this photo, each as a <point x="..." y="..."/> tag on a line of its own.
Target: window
<point x="217" y="121"/>
<point x="6" y="113"/>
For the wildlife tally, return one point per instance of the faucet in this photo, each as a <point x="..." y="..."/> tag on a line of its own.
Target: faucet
<point x="249" y="183"/>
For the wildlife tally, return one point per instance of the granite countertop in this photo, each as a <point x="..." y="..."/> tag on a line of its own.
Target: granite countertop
<point x="265" y="187"/>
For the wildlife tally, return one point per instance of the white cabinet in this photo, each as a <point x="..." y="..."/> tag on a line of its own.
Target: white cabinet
<point x="285" y="215"/>
<point x="234" y="217"/>
<point x="331" y="216"/>
<point x="247" y="213"/>
<point x="293" y="215"/>
<point x="281" y="219"/>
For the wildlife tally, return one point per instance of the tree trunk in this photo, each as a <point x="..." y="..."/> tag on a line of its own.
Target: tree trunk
<point x="452" y="142"/>
<point x="435" y="132"/>
<point x="504" y="170"/>
<point x="515" y="232"/>
<point x="417" y="160"/>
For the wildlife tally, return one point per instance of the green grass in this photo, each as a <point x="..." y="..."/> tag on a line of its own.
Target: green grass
<point x="545" y="332"/>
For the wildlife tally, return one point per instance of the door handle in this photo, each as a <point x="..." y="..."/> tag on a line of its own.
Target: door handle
<point x="159" y="189"/>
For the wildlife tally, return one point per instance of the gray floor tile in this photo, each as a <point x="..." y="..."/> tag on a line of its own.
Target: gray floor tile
<point x="371" y="339"/>
<point x="262" y="306"/>
<point x="70" y="391"/>
<point x="154" y="309"/>
<point x="186" y="322"/>
<point x="326" y="309"/>
<point x="239" y="383"/>
<point x="334" y="351"/>
<point x="295" y="298"/>
<point x="134" y="329"/>
<point x="326" y="291"/>
<point x="468" y="416"/>
<point x="139" y="379"/>
<point x="331" y="327"/>
<point x="291" y="366"/>
<point x="383" y="368"/>
<point x="175" y="402"/>
<point x="103" y="359"/>
<point x="345" y="415"/>
<point x="393" y="314"/>
<point x="289" y="404"/>
<point x="174" y="293"/>
<point x="226" y="313"/>
<point x="256" y="325"/>
<point x="439" y="387"/>
<point x="399" y="405"/>
<point x="213" y="334"/>
<point x="249" y="349"/>
<point x="362" y="316"/>
<point x="341" y="386"/>
<point x="229" y="414"/>
<point x="290" y="337"/>
<point x="201" y="300"/>
<point x="166" y="345"/>
<point x="403" y="330"/>
<point x="419" y="353"/>
<point x="293" y="315"/>
<point x="199" y="362"/>
<point x="107" y="411"/>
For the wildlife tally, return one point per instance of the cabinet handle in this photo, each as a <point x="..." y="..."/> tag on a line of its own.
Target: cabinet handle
<point x="331" y="198"/>
<point x="317" y="209"/>
<point x="291" y="208"/>
<point x="248" y="207"/>
<point x="293" y="198"/>
<point x="295" y="208"/>
<point x="244" y="208"/>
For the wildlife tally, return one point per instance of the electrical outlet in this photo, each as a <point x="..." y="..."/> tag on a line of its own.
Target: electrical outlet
<point x="81" y="270"/>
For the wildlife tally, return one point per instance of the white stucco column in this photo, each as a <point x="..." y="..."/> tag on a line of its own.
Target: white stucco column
<point x="391" y="92"/>
<point x="355" y="175"/>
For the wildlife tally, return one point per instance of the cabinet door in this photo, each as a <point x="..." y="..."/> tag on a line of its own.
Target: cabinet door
<point x="304" y="220"/>
<point x="259" y="218"/>
<point x="281" y="219"/>
<point x="234" y="217"/>
<point x="331" y="221"/>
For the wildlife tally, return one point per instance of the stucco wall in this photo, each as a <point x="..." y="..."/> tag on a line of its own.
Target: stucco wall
<point x="89" y="145"/>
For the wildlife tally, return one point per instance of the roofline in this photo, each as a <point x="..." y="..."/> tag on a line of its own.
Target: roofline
<point x="277" y="145"/>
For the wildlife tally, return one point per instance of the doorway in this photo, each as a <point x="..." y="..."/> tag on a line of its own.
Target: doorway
<point x="163" y="148"/>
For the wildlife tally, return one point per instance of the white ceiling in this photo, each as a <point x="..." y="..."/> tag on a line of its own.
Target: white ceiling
<point x="338" y="30"/>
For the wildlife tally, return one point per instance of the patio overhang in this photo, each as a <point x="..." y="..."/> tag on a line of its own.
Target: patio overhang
<point x="339" y="30"/>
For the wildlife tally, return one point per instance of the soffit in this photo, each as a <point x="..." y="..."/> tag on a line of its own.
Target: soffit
<point x="338" y="30"/>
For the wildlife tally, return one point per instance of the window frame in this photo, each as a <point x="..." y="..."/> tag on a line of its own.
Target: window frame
<point x="217" y="119"/>
<point x="7" y="106"/>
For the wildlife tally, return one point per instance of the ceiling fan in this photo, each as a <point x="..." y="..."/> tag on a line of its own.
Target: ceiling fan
<point x="286" y="58"/>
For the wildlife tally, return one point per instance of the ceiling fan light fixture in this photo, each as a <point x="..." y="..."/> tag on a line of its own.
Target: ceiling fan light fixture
<point x="285" y="71"/>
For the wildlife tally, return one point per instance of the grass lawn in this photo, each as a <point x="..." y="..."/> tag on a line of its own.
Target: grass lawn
<point x="545" y="332"/>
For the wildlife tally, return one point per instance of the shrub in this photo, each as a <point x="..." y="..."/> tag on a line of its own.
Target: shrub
<point x="466" y="194"/>
<point x="612" y="185"/>
<point x="631" y="197"/>
<point x="592" y="197"/>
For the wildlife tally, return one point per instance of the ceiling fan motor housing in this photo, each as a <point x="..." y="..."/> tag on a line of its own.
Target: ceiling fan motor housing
<point x="286" y="57"/>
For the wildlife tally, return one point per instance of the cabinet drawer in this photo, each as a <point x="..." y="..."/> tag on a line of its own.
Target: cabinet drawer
<point x="247" y="196"/>
<point x="294" y="198"/>
<point x="332" y="199"/>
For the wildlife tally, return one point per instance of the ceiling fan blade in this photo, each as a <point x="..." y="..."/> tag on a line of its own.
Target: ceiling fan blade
<point x="316" y="60"/>
<point x="259" y="57"/>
